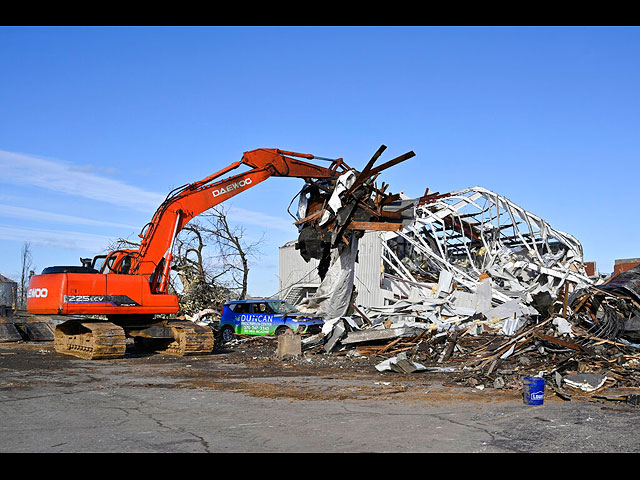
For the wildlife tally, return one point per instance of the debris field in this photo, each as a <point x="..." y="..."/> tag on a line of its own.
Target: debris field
<point x="484" y="290"/>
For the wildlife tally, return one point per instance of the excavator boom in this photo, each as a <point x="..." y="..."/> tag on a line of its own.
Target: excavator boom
<point x="182" y="205"/>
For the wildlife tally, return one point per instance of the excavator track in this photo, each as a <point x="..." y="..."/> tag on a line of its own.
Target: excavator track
<point x="90" y="339"/>
<point x="188" y="339"/>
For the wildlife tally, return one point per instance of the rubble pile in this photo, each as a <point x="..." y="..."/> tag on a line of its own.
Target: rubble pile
<point x="572" y="364"/>
<point x="475" y="252"/>
<point x="488" y="293"/>
<point x="332" y="215"/>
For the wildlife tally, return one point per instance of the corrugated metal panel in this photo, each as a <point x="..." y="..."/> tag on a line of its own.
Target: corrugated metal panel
<point x="294" y="270"/>
<point x="8" y="289"/>
<point x="368" y="270"/>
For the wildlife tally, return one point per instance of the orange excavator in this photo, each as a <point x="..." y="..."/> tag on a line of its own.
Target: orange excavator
<point x="130" y="286"/>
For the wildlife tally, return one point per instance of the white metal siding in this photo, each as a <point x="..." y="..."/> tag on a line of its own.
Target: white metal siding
<point x="368" y="270"/>
<point x="293" y="269"/>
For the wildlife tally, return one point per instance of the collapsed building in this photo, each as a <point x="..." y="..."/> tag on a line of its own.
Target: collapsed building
<point x="468" y="254"/>
<point x="474" y="285"/>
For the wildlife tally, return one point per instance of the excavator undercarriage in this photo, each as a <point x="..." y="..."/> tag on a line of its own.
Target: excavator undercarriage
<point x="98" y="339"/>
<point x="92" y="340"/>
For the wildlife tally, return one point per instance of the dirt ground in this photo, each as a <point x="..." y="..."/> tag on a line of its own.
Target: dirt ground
<point x="149" y="402"/>
<point x="251" y="365"/>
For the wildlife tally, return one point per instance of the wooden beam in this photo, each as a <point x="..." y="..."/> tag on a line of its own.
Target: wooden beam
<point x="378" y="226"/>
<point x="313" y="216"/>
<point x="391" y="163"/>
<point x="558" y="341"/>
<point x="364" y="317"/>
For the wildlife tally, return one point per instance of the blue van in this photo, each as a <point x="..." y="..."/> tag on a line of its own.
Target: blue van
<point x="264" y="317"/>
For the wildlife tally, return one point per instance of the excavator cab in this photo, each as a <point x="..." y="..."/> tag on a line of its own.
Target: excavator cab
<point x="118" y="261"/>
<point x="97" y="262"/>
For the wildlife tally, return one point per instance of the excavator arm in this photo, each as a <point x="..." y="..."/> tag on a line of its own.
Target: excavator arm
<point x="135" y="281"/>
<point x="187" y="202"/>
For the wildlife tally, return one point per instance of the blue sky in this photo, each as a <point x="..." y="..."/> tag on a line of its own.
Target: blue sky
<point x="98" y="124"/>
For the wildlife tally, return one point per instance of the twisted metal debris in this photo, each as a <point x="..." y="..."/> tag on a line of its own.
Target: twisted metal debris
<point x="483" y="251"/>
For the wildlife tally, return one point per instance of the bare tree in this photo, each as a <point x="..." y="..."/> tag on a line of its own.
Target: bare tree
<point x="211" y="260"/>
<point x="26" y="271"/>
<point x="203" y="286"/>
<point x="233" y="252"/>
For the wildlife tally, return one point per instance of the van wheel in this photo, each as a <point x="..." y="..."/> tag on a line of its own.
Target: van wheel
<point x="280" y="330"/>
<point x="227" y="333"/>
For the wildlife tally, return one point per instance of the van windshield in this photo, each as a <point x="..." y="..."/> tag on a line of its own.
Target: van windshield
<point x="282" y="307"/>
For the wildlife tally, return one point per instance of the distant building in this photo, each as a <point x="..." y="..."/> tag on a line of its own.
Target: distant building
<point x="8" y="295"/>
<point x="625" y="264"/>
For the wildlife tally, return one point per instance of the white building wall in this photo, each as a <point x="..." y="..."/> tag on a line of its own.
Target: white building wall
<point x="294" y="270"/>
<point x="368" y="270"/>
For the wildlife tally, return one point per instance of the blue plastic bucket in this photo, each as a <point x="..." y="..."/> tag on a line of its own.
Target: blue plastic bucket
<point x="533" y="390"/>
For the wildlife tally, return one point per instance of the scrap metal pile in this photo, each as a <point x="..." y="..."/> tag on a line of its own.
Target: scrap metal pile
<point x="332" y="216"/>
<point x="474" y="252"/>
<point x="489" y="292"/>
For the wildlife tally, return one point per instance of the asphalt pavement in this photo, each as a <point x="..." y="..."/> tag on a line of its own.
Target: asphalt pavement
<point x="225" y="403"/>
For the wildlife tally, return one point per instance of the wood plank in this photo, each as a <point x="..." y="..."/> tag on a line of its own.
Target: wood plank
<point x="558" y="341"/>
<point x="378" y="226"/>
<point x="391" y="163"/>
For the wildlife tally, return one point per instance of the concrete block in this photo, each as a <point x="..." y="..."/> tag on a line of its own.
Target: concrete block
<point x="289" y="344"/>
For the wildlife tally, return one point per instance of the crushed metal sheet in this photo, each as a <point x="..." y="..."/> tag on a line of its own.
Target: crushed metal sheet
<point x="401" y="364"/>
<point x="587" y="382"/>
<point x="481" y="254"/>
<point x="332" y="215"/>
<point x="610" y="310"/>
<point x="332" y="297"/>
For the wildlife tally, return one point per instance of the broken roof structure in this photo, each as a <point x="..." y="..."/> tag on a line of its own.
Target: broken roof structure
<point x="473" y="251"/>
<point x="476" y="231"/>
<point x="332" y="216"/>
<point x="467" y="255"/>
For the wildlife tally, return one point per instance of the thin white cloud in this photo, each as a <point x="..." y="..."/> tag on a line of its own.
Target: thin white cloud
<point x="86" y="242"/>
<point x="41" y="215"/>
<point x="242" y="215"/>
<point x="21" y="169"/>
<point x="58" y="176"/>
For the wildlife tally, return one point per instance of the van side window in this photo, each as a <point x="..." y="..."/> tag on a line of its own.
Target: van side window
<point x="241" y="308"/>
